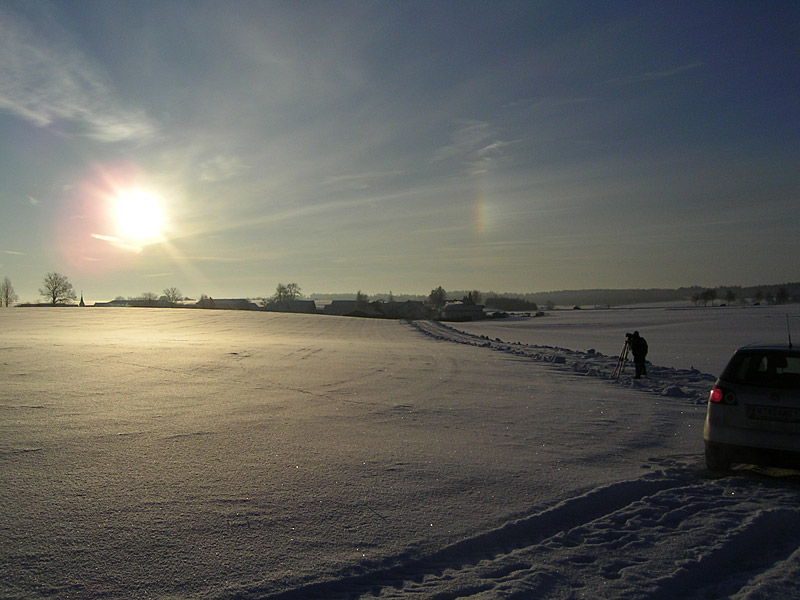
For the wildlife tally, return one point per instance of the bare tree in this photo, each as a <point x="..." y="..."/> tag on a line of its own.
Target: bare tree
<point x="57" y="288"/>
<point x="362" y="299"/>
<point x="173" y="295"/>
<point x="284" y="292"/>
<point x="7" y="295"/>
<point x="280" y="293"/>
<point x="148" y="297"/>
<point x="292" y="291"/>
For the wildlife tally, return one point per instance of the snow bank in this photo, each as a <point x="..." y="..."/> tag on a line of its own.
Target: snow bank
<point x="688" y="384"/>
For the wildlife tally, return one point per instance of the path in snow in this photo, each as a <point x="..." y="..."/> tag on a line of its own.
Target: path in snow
<point x="688" y="384"/>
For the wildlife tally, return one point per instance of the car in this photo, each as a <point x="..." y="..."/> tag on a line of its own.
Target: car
<point x="753" y="413"/>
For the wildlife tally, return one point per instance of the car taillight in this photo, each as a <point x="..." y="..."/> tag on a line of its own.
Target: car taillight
<point x="716" y="396"/>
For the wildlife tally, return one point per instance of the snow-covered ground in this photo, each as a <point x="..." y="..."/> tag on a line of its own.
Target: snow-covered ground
<point x="150" y="453"/>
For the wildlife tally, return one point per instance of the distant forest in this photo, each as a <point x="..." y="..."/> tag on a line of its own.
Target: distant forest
<point x="730" y="294"/>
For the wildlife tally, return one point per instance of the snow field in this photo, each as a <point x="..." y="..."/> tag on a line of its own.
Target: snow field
<point x="213" y="454"/>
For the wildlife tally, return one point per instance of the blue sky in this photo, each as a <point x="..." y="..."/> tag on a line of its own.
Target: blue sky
<point x="508" y="146"/>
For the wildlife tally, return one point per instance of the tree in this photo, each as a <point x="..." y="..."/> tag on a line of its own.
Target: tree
<point x="7" y="295"/>
<point x="474" y="298"/>
<point x="173" y="295"/>
<point x="57" y="288"/>
<point x="285" y="292"/>
<point x="437" y="297"/>
<point x="361" y="299"/>
<point x="149" y="297"/>
<point x="280" y="293"/>
<point x="708" y="296"/>
<point x="292" y="291"/>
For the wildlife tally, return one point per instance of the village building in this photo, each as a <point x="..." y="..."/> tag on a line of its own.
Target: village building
<point x="292" y="306"/>
<point x="462" y="311"/>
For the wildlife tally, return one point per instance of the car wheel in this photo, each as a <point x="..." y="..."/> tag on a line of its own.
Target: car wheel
<point x="717" y="458"/>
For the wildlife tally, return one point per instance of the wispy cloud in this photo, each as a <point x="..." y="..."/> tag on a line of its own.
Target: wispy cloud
<point x="361" y="181"/>
<point x="475" y="145"/>
<point x="115" y="241"/>
<point x="48" y="82"/>
<point x="31" y="200"/>
<point x="14" y="253"/>
<point x="654" y="75"/>
<point x="221" y="168"/>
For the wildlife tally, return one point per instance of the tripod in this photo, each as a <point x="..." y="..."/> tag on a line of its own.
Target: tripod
<point x="623" y="357"/>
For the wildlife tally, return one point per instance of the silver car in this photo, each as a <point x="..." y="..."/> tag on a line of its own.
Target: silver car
<point x="753" y="412"/>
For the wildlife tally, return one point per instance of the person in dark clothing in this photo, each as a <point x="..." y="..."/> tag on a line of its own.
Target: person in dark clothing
<point x="638" y="347"/>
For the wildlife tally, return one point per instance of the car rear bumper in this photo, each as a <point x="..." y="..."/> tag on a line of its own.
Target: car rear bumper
<point x="753" y="455"/>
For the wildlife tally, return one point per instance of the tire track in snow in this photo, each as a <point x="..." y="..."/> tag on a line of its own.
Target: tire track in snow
<point x="668" y="535"/>
<point x="702" y="539"/>
<point x="484" y="559"/>
<point x="689" y="385"/>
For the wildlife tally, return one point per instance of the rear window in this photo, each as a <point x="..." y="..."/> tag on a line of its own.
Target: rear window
<point x="766" y="368"/>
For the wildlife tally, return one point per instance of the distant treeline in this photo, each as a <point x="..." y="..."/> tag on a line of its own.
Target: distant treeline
<point x="509" y="303"/>
<point x="734" y="294"/>
<point x="777" y="293"/>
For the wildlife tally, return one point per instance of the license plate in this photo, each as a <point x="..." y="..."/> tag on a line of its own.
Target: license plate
<point x="784" y="414"/>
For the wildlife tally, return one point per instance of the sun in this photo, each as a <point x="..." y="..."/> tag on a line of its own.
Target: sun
<point x="139" y="216"/>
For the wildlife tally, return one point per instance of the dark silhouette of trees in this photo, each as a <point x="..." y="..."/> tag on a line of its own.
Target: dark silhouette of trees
<point x="57" y="288"/>
<point x="705" y="297"/>
<point x="473" y="298"/>
<point x="149" y="298"/>
<point x="283" y="293"/>
<point x="173" y="295"/>
<point x="292" y="291"/>
<point x="362" y="299"/>
<point x="437" y="297"/>
<point x="7" y="294"/>
<point x="512" y="304"/>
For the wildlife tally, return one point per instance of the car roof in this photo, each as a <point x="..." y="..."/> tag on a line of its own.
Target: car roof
<point x="787" y="348"/>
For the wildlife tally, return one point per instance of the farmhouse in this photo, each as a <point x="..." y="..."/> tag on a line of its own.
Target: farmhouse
<point x="461" y="311"/>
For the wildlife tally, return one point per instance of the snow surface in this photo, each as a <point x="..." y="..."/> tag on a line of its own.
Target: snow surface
<point x="150" y="453"/>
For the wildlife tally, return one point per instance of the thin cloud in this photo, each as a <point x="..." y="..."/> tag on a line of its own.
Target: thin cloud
<point x="654" y="75"/>
<point x="475" y="145"/>
<point x="32" y="201"/>
<point x="221" y="168"/>
<point x="14" y="253"/>
<point x="53" y="84"/>
<point x="354" y="182"/>
<point x="117" y="242"/>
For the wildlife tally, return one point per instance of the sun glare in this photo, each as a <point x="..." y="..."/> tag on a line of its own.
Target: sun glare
<point x="139" y="216"/>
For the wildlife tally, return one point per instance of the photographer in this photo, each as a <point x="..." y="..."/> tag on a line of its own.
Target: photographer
<point x="638" y="346"/>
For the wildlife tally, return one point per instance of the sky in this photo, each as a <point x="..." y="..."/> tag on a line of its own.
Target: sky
<point x="376" y="146"/>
